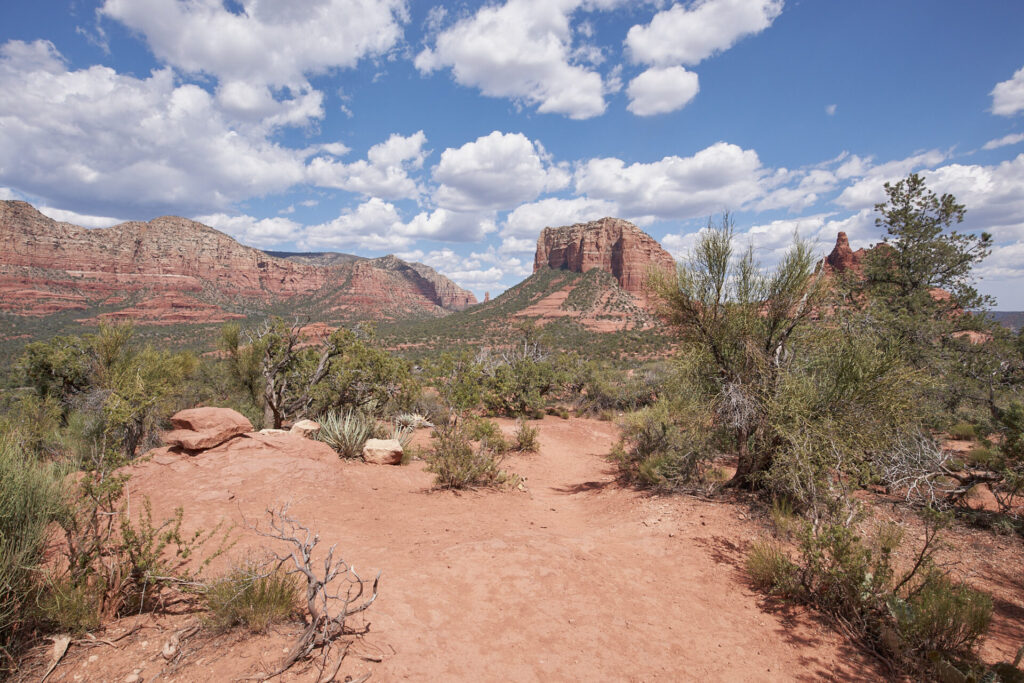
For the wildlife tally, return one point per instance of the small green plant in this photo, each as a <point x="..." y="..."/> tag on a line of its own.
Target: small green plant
<point x="981" y="456"/>
<point x="456" y="464"/>
<point x="488" y="433"/>
<point x="252" y="596"/>
<point x="525" y="438"/>
<point x="770" y="569"/>
<point x="70" y="608"/>
<point x="784" y="520"/>
<point x="346" y="432"/>
<point x="963" y="431"/>
<point x="402" y="434"/>
<point x="942" y="616"/>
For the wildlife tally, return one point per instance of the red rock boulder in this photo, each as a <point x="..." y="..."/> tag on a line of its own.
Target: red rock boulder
<point x="198" y="429"/>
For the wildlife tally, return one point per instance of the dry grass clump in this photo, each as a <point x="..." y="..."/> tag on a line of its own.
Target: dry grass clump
<point x="252" y="596"/>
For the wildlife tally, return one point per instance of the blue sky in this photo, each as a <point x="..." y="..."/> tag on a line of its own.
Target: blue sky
<point x="452" y="133"/>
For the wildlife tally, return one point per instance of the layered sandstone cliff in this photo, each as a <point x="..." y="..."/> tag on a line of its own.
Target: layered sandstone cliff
<point x="613" y="245"/>
<point x="172" y="270"/>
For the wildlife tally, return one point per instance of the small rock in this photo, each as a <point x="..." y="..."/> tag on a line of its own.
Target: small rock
<point x="305" y="428"/>
<point x="383" y="451"/>
<point x="93" y="658"/>
<point x="273" y="431"/>
<point x="169" y="650"/>
<point x="133" y="678"/>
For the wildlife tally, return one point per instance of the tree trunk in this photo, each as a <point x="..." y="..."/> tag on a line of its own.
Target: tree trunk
<point x="745" y="462"/>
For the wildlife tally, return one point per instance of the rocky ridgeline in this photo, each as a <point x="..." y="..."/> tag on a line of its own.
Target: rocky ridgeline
<point x="611" y="244"/>
<point x="173" y="270"/>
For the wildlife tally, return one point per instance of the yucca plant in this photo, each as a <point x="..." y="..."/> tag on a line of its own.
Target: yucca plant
<point x="346" y="432"/>
<point x="402" y="434"/>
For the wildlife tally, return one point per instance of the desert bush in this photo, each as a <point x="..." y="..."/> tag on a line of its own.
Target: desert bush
<point x="912" y="617"/>
<point x="129" y="389"/>
<point x="770" y="569"/>
<point x="526" y="438"/>
<point x="346" y="432"/>
<point x="31" y="497"/>
<point x="964" y="431"/>
<point x="127" y="565"/>
<point x="655" y="451"/>
<point x="456" y="464"/>
<point x="251" y="595"/>
<point x="602" y="387"/>
<point x="488" y="433"/>
<point x="941" y="616"/>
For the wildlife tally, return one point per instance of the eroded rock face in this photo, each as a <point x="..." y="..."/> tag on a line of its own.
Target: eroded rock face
<point x="611" y="244"/>
<point x="173" y="270"/>
<point x="198" y="429"/>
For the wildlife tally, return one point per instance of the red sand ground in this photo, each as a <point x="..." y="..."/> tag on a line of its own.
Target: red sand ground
<point x="575" y="579"/>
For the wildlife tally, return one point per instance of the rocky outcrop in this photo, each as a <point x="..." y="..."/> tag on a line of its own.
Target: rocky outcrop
<point x="198" y="429"/>
<point x="614" y="245"/>
<point x="843" y="258"/>
<point x="173" y="270"/>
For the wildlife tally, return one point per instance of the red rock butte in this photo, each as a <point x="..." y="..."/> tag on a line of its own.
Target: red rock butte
<point x="843" y="258"/>
<point x="611" y="244"/>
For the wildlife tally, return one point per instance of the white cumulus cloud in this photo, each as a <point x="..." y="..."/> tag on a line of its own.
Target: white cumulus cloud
<point x="661" y="89"/>
<point x="257" y="232"/>
<point x="522" y="50"/>
<point x="269" y="43"/>
<point x="689" y="35"/>
<point x="103" y="141"/>
<point x="1008" y="96"/>
<point x="1005" y="141"/>
<point x="527" y="220"/>
<point x="384" y="173"/>
<point x="496" y="171"/>
<point x="722" y="176"/>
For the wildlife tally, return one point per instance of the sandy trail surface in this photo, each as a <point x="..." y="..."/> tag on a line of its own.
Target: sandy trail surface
<point x="573" y="579"/>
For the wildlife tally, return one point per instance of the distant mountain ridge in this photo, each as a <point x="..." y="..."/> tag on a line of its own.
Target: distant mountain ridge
<point x="174" y="270"/>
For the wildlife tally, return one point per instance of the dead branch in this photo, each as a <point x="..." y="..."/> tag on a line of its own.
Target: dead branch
<point x="328" y="609"/>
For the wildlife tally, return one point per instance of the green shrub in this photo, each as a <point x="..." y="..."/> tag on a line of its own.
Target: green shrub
<point x="942" y="616"/>
<point x="656" y="453"/>
<point x="526" y="438"/>
<point x="251" y="596"/>
<point x="964" y="431"/>
<point x="981" y="456"/>
<point x="346" y="432"/>
<point x="457" y="465"/>
<point x="488" y="433"/>
<point x="770" y="569"/>
<point x="71" y="608"/>
<point x="31" y="496"/>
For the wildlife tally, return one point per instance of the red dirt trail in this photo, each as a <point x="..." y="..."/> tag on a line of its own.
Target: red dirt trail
<point x="573" y="579"/>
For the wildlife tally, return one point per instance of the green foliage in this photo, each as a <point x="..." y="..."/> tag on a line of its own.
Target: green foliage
<point x="31" y="497"/>
<point x="526" y="438"/>
<point x="942" y="616"/>
<point x="365" y="377"/>
<point x="488" y="433"/>
<point x="770" y="569"/>
<point x="603" y="387"/>
<point x="655" y="451"/>
<point x="921" y="254"/>
<point x="965" y="431"/>
<point x="251" y="596"/>
<point x="128" y="390"/>
<point x="456" y="464"/>
<point x="742" y="323"/>
<point x="346" y="432"/>
<point x="910" y="616"/>
<point x="519" y="380"/>
<point x="298" y="374"/>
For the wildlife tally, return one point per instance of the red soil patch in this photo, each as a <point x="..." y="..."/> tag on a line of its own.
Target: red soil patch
<point x="574" y="579"/>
